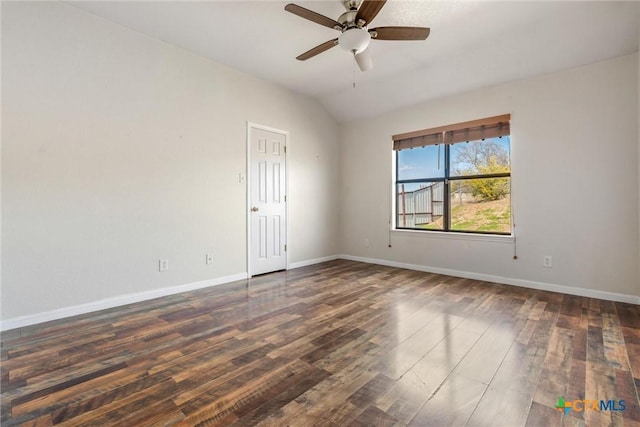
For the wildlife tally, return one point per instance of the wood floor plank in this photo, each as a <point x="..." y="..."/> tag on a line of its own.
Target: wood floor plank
<point x="629" y="315"/>
<point x="571" y="306"/>
<point x="202" y="389"/>
<point x="485" y="357"/>
<point x="434" y="368"/>
<point x="511" y="391"/>
<point x="557" y="368"/>
<point x="624" y="386"/>
<point x="333" y="344"/>
<point x="600" y="384"/>
<point x="272" y="407"/>
<point x="245" y="396"/>
<point x="111" y="413"/>
<point x="615" y="352"/>
<point x="543" y="416"/>
<point x="20" y="404"/>
<point x="453" y="403"/>
<point x="405" y="398"/>
<point x="632" y="346"/>
<point x="373" y="416"/>
<point x="405" y="355"/>
<point x="368" y="393"/>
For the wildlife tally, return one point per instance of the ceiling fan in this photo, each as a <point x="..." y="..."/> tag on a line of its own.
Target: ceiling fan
<point x="355" y="34"/>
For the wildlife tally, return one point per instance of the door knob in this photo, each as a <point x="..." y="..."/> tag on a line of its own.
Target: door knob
<point x="254" y="209"/>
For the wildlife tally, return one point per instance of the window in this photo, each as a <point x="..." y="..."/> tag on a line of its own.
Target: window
<point x="455" y="178"/>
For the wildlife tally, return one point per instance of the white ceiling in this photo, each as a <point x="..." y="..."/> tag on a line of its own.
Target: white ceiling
<point x="472" y="44"/>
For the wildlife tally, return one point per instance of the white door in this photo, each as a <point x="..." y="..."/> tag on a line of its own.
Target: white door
<point x="267" y="207"/>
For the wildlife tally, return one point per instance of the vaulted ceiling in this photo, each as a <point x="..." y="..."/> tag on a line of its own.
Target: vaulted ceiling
<point x="472" y="44"/>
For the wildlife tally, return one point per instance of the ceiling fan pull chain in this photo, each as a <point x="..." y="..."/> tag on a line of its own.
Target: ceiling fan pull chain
<point x="354" y="70"/>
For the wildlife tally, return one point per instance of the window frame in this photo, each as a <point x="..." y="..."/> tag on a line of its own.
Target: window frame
<point x="446" y="180"/>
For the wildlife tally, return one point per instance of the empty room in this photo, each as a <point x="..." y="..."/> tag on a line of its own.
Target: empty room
<point x="320" y="213"/>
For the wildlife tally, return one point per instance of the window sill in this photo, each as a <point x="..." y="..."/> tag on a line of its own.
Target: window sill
<point x="454" y="236"/>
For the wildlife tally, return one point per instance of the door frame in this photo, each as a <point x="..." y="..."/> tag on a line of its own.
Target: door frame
<point x="250" y="127"/>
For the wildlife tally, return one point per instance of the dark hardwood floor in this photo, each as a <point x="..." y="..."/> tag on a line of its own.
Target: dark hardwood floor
<point x="339" y="343"/>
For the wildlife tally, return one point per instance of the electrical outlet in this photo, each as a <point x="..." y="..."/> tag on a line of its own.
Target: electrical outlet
<point x="547" y="261"/>
<point x="366" y="243"/>
<point x="163" y="264"/>
<point x="209" y="259"/>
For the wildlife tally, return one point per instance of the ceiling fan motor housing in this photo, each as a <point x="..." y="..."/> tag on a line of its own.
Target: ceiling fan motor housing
<point x="348" y="19"/>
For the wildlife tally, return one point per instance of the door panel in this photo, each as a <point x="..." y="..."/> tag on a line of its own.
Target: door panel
<point x="268" y="213"/>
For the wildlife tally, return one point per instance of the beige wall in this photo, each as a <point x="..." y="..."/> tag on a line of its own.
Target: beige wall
<point x="119" y="150"/>
<point x="575" y="183"/>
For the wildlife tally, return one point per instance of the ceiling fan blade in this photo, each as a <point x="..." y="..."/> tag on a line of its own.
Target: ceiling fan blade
<point x="400" y="33"/>
<point x="317" y="50"/>
<point x="369" y="9"/>
<point x="363" y="59"/>
<point x="312" y="16"/>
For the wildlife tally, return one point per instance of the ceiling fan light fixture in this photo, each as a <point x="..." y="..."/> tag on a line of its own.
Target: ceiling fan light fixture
<point x="363" y="59"/>
<point x="354" y="40"/>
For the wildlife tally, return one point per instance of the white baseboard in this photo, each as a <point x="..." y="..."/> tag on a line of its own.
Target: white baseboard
<point x="590" y="293"/>
<point x="61" y="313"/>
<point x="106" y="303"/>
<point x="312" y="261"/>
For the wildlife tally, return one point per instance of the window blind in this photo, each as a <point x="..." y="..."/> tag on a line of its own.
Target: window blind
<point x="490" y="127"/>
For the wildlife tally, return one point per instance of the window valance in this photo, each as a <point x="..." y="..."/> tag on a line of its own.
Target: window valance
<point x="491" y="127"/>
